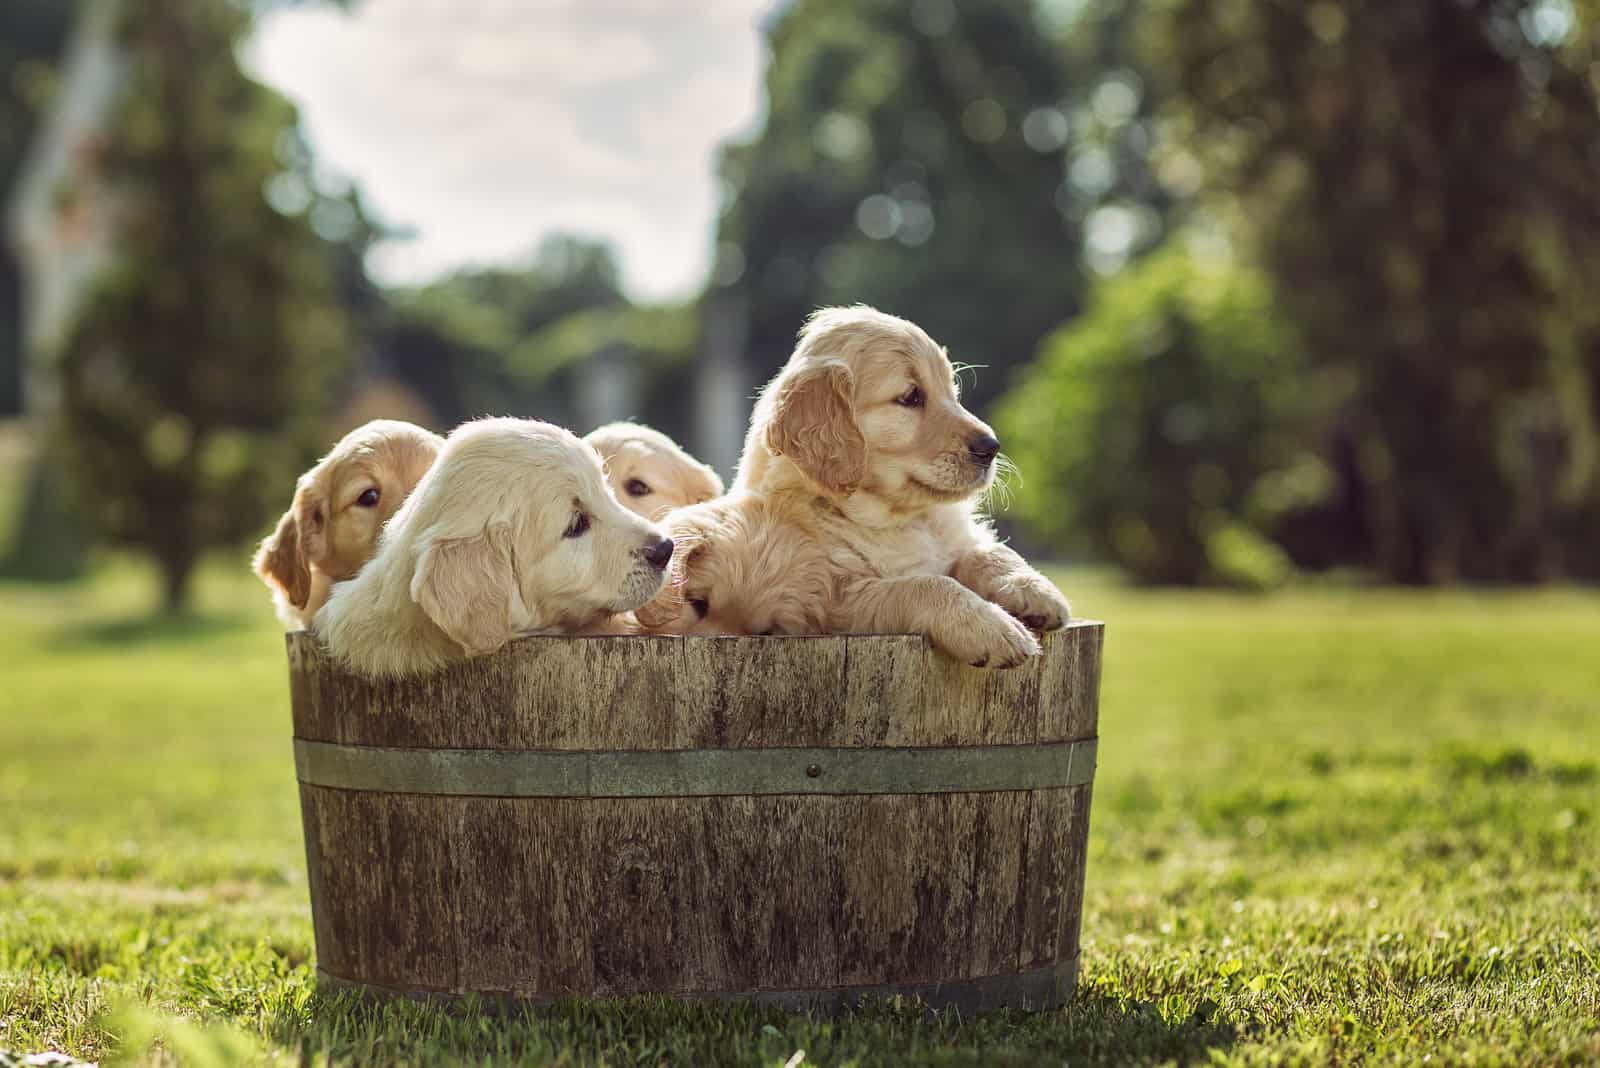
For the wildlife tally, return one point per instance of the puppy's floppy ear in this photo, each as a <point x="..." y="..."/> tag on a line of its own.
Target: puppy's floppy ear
<point x="281" y="564"/>
<point x="705" y="483"/>
<point x="814" y="424"/>
<point x="311" y="517"/>
<point x="465" y="586"/>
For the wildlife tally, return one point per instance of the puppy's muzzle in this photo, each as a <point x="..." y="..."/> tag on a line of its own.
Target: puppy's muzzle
<point x="983" y="449"/>
<point x="659" y="554"/>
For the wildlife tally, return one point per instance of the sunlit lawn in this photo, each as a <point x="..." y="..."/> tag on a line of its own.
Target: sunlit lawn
<point x="1329" y="825"/>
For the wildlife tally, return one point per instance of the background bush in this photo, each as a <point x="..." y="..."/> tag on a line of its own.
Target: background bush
<point x="1167" y="429"/>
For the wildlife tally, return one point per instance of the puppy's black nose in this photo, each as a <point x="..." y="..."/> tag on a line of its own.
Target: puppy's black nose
<point x="659" y="553"/>
<point x="984" y="448"/>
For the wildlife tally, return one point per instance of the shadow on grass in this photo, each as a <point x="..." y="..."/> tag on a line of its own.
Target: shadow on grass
<point x="1093" y="1030"/>
<point x="142" y="630"/>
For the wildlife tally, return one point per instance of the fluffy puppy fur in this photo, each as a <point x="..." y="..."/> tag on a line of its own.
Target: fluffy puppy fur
<point x="339" y="508"/>
<point x="863" y="431"/>
<point x="741" y="567"/>
<point x="649" y="472"/>
<point x="513" y="531"/>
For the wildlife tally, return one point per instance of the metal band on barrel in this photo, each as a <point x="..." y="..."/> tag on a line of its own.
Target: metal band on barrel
<point x="696" y="772"/>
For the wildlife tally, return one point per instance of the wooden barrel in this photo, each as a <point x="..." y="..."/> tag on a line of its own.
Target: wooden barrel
<point x="795" y="820"/>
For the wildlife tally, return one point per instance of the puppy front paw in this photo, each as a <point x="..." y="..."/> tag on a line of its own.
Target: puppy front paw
<point x="1034" y="600"/>
<point x="988" y="638"/>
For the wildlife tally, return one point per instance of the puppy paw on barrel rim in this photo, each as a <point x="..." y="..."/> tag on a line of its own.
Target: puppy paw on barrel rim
<point x="800" y="821"/>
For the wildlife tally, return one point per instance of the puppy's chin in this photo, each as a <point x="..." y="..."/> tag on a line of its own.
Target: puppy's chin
<point x="949" y="479"/>
<point x="638" y="590"/>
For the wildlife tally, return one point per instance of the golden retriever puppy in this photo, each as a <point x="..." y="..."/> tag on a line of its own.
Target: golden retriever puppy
<point x="649" y="472"/>
<point x="739" y="567"/>
<point x="863" y="430"/>
<point x="513" y="531"/>
<point x="339" y="508"/>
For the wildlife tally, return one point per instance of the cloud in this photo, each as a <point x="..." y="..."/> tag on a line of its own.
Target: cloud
<point x="486" y="123"/>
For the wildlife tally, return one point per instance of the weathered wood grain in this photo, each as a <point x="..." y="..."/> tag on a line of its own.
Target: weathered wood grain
<point x="639" y="894"/>
<point x="766" y="877"/>
<point x="931" y="887"/>
<point x="760" y="894"/>
<point x="1052" y="888"/>
<point x="998" y="839"/>
<point x="966" y="706"/>
<point x="387" y="882"/>
<point x="1069" y="688"/>
<point x="536" y="693"/>
<point x="885" y="678"/>
<point x="741" y="692"/>
<point x="524" y="896"/>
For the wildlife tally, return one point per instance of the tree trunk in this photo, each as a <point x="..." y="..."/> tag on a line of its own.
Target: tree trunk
<point x="11" y="347"/>
<point x="177" y="568"/>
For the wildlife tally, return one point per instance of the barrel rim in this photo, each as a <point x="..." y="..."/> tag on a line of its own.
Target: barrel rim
<point x="310" y="636"/>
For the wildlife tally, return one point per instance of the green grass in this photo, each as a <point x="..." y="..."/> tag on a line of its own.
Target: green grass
<point x="1329" y="826"/>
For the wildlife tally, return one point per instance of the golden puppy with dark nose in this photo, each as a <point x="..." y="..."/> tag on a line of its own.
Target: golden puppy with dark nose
<point x="740" y="567"/>
<point x="340" y="506"/>
<point x="862" y="439"/>
<point x="513" y="531"/>
<point x="650" y="473"/>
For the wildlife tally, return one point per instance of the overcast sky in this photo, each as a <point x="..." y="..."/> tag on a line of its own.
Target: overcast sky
<point x="485" y="124"/>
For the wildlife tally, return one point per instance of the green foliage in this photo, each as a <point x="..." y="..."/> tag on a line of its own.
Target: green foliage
<point x="1166" y="429"/>
<point x="1419" y="180"/>
<point x="510" y="341"/>
<point x="1330" y="827"/>
<point x="456" y="338"/>
<point x="895" y="168"/>
<point x="193" y="383"/>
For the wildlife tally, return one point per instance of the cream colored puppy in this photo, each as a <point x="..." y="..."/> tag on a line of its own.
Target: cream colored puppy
<point x="649" y="472"/>
<point x="864" y="432"/>
<point x="513" y="531"/>
<point x="339" y="509"/>
<point x="741" y="567"/>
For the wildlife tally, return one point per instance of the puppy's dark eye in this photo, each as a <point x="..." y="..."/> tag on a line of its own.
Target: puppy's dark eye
<point x="911" y="398"/>
<point x="636" y="488"/>
<point x="578" y="527"/>
<point x="369" y="499"/>
<point x="700" y="605"/>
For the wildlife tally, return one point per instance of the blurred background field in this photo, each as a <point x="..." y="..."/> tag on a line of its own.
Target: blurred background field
<point x="1250" y="290"/>
<point x="1283" y="312"/>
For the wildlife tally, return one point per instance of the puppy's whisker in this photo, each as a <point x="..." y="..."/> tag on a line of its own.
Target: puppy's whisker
<point x="966" y="373"/>
<point x="1001" y="493"/>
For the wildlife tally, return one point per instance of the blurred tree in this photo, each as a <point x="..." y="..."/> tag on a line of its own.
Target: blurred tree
<point x="652" y="350"/>
<point x="1126" y="185"/>
<point x="195" y="380"/>
<point x="1170" y="428"/>
<point x="912" y="158"/>
<point x="517" y="341"/>
<point x="1420" y="177"/>
<point x="32" y="35"/>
